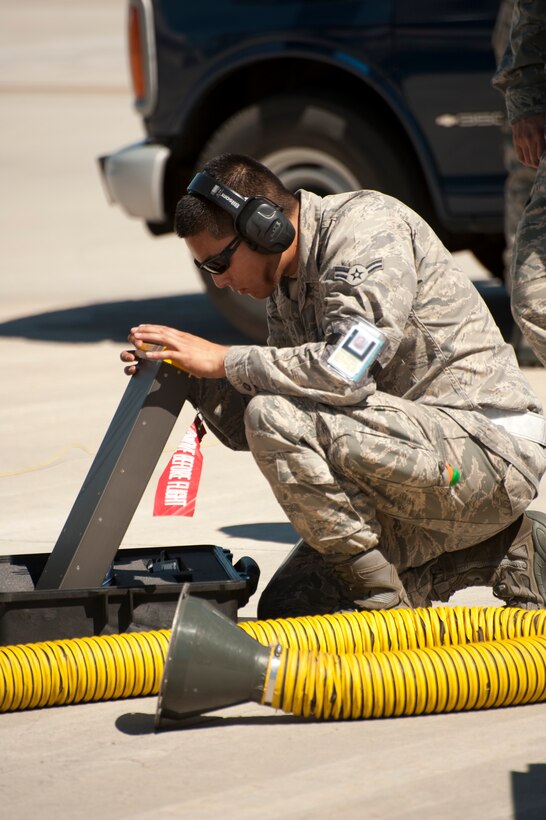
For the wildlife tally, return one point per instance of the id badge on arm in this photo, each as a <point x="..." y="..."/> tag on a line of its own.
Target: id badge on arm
<point x="357" y="350"/>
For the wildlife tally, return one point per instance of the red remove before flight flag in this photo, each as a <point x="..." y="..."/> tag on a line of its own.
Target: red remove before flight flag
<point x="177" y="488"/>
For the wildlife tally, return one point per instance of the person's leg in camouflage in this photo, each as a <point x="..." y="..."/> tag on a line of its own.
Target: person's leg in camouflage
<point x="521" y="578"/>
<point x="289" y="447"/>
<point x="517" y="190"/>
<point x="306" y="584"/>
<point x="507" y="562"/>
<point x="519" y="177"/>
<point x="309" y="586"/>
<point x="303" y="585"/>
<point x="345" y="478"/>
<point x="317" y="589"/>
<point x="512" y="563"/>
<point x="528" y="272"/>
<point x="440" y="578"/>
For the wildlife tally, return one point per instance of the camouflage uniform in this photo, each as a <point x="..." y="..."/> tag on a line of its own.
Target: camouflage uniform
<point x="357" y="465"/>
<point x="529" y="267"/>
<point x="520" y="177"/>
<point x="521" y="77"/>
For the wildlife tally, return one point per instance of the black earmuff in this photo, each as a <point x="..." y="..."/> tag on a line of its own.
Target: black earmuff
<point x="257" y="220"/>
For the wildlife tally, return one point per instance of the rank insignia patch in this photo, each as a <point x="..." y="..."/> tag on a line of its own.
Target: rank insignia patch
<point x="357" y="273"/>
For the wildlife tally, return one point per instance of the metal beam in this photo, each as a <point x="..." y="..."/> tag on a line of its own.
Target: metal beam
<point x="117" y="478"/>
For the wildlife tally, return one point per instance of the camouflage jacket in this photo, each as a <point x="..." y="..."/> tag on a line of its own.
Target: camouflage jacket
<point x="366" y="255"/>
<point x="520" y="75"/>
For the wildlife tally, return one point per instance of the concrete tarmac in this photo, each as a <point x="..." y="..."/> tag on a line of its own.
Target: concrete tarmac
<point x="76" y="275"/>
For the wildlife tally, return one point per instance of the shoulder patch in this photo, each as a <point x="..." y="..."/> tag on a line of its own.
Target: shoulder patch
<point x="357" y="273"/>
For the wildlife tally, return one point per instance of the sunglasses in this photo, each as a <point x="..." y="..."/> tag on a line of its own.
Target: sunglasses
<point x="219" y="262"/>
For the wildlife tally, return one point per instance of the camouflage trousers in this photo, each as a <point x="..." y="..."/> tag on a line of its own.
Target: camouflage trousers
<point x="352" y="478"/>
<point x="528" y="270"/>
<point x="517" y="190"/>
<point x="304" y="584"/>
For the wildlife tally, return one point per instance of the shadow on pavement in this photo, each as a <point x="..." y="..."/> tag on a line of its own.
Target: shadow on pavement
<point x="283" y="533"/>
<point x="138" y="723"/>
<point x="529" y="792"/>
<point x="193" y="313"/>
<point x="112" y="321"/>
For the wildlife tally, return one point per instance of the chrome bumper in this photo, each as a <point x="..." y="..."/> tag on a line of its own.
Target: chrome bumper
<point x="133" y="177"/>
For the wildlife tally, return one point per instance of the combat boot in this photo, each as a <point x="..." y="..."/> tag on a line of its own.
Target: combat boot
<point x="370" y="581"/>
<point x="417" y="581"/>
<point x="479" y="565"/>
<point x="440" y="578"/>
<point x="521" y="577"/>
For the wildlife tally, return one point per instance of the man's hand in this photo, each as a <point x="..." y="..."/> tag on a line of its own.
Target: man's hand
<point x="191" y="353"/>
<point x="528" y="138"/>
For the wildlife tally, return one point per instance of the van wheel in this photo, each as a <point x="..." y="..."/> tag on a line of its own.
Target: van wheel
<point x="318" y="146"/>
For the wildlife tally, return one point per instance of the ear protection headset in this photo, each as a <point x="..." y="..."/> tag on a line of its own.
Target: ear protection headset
<point x="257" y="220"/>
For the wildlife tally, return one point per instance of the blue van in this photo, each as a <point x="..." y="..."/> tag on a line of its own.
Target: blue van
<point x="332" y="95"/>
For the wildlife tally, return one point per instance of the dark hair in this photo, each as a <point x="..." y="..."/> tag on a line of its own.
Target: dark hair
<point x="244" y="175"/>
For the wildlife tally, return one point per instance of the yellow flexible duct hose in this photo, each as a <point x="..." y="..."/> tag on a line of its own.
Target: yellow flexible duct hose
<point x="378" y="631"/>
<point x="363" y="664"/>
<point x="411" y="682"/>
<point x="54" y="673"/>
